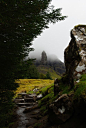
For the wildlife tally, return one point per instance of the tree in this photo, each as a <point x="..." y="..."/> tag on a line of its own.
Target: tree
<point x="27" y="70"/>
<point x="32" y="72"/>
<point x="48" y="76"/>
<point x="20" y="22"/>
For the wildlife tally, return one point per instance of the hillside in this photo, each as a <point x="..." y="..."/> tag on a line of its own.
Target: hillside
<point x="50" y="62"/>
<point x="42" y="69"/>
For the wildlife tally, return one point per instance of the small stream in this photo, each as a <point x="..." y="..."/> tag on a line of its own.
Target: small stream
<point x="23" y="119"/>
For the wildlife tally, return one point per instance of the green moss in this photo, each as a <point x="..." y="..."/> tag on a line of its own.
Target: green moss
<point x="53" y="98"/>
<point x="45" y="90"/>
<point x="80" y="88"/>
<point x="83" y="77"/>
<point x="48" y="93"/>
<point x="45" y="100"/>
<point x="44" y="110"/>
<point x="30" y="92"/>
<point x="63" y="86"/>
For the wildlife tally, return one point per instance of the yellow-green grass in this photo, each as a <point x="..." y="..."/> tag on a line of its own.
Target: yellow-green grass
<point x="27" y="85"/>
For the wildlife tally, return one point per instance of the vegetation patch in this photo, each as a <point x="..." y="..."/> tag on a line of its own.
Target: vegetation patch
<point x="27" y="85"/>
<point x="80" y="88"/>
<point x="46" y="88"/>
<point x="5" y="115"/>
<point x="43" y="70"/>
<point x="47" y="99"/>
<point x="64" y="88"/>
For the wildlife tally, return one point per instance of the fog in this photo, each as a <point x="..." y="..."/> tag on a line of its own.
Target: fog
<point x="55" y="39"/>
<point x="50" y="57"/>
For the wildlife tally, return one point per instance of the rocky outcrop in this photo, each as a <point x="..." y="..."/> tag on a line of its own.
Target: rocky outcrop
<point x="61" y="109"/>
<point x="67" y="109"/>
<point x="75" y="54"/>
<point x="50" y="62"/>
<point x="66" y="112"/>
<point x="44" y="58"/>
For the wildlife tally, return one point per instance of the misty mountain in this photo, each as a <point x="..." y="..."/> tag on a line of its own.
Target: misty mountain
<point x="52" y="58"/>
<point x="50" y="61"/>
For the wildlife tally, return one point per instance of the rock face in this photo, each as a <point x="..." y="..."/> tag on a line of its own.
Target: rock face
<point x="75" y="54"/>
<point x="44" y="58"/>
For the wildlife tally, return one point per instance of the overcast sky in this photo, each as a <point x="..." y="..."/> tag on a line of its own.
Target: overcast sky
<point x="56" y="38"/>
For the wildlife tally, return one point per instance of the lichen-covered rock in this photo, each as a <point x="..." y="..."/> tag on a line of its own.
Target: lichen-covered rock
<point x="75" y="54"/>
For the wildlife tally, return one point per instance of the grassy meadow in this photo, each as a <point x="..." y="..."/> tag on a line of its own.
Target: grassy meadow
<point x="27" y="85"/>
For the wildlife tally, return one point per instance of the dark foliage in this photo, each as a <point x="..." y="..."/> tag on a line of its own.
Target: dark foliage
<point x="48" y="75"/>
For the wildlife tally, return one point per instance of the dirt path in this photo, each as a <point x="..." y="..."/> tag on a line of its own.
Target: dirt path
<point x="27" y="110"/>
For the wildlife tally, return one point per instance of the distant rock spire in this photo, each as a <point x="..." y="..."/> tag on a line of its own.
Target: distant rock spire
<point x="43" y="58"/>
